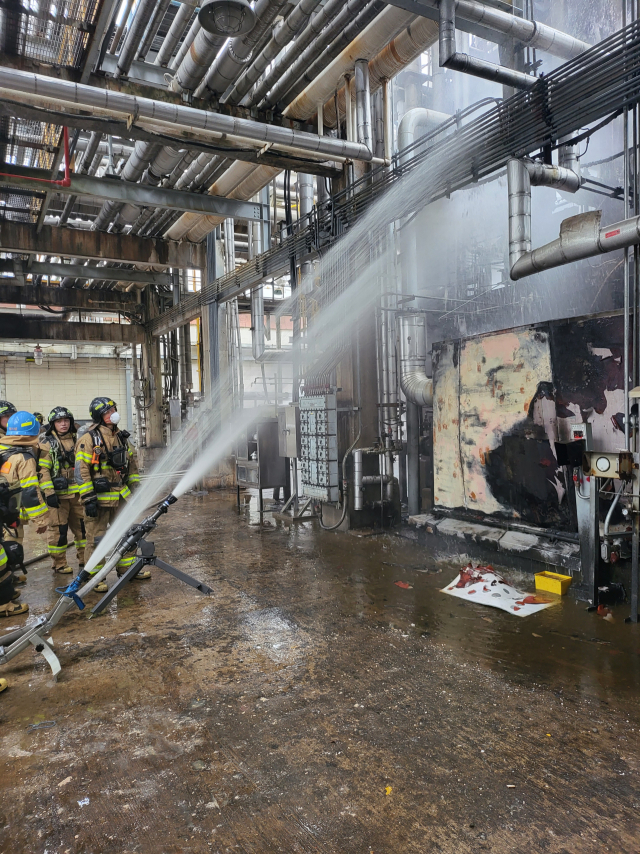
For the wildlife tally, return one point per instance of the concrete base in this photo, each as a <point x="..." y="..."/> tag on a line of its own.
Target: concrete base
<point x="525" y="551"/>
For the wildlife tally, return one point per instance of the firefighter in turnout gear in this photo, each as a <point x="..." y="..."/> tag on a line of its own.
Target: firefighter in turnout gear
<point x="106" y="471"/>
<point x="19" y="469"/>
<point x="57" y="481"/>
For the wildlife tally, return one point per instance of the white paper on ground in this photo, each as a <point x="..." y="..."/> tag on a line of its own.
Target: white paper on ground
<point x="484" y="585"/>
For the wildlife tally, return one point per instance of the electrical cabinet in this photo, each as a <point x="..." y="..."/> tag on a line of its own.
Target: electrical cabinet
<point x="319" y="447"/>
<point x="258" y="462"/>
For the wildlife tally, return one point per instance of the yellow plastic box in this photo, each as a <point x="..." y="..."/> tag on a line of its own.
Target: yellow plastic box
<point x="553" y="582"/>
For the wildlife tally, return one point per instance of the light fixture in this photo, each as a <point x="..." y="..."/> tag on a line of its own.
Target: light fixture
<point x="227" y="17"/>
<point x="37" y="354"/>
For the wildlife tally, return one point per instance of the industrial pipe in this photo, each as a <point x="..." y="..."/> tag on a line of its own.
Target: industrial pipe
<point x="363" y="103"/>
<point x="400" y="52"/>
<point x="320" y="20"/>
<point x="177" y="114"/>
<point x="154" y="26"/>
<point x="581" y="236"/>
<point x="177" y="28"/>
<point x="451" y="59"/>
<point x="283" y="34"/>
<point x="197" y="61"/>
<point x="521" y="175"/>
<point x="412" y="338"/>
<point x="237" y="52"/>
<point x="186" y="45"/>
<point x="133" y="38"/>
<point x="369" y="43"/>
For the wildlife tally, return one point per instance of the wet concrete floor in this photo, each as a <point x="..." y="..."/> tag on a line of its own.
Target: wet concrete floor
<point x="312" y="705"/>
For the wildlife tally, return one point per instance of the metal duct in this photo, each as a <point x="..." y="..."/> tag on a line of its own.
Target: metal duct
<point x="370" y="42"/>
<point x="197" y="61"/>
<point x="315" y="26"/>
<point x="451" y="59"/>
<point x="186" y="44"/>
<point x="154" y="26"/>
<point x="177" y="28"/>
<point x="284" y="33"/>
<point x="581" y="236"/>
<point x="177" y="114"/>
<point x="120" y="28"/>
<point x="304" y="61"/>
<point x="521" y="175"/>
<point x="530" y="33"/>
<point x="420" y="35"/>
<point x="237" y="53"/>
<point x="363" y="103"/>
<point x="412" y="339"/>
<point x="134" y="36"/>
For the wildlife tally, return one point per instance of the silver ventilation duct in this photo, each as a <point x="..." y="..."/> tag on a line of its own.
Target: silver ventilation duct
<point x="174" y="35"/>
<point x="412" y="339"/>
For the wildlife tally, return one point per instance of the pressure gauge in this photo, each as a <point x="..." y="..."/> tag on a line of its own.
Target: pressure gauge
<point x="603" y="464"/>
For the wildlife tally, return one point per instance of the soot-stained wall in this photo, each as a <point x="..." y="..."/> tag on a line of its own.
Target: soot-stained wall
<point x="503" y="400"/>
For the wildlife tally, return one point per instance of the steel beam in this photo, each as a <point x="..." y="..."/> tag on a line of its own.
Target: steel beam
<point x="113" y="189"/>
<point x="92" y="299"/>
<point x="17" y="327"/>
<point x="22" y="238"/>
<point x="90" y="271"/>
<point x="140" y="72"/>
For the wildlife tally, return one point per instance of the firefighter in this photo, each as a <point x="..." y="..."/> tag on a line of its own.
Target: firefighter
<point x="19" y="468"/>
<point x="6" y="411"/>
<point x="57" y="481"/>
<point x="40" y="419"/>
<point x="106" y="471"/>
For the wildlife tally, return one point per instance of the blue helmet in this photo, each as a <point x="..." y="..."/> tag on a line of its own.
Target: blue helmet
<point x="23" y="424"/>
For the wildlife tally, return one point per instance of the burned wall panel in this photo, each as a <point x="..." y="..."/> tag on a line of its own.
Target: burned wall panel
<point x="447" y="466"/>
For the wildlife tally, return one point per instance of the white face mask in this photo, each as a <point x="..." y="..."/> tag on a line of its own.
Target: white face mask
<point x="115" y="418"/>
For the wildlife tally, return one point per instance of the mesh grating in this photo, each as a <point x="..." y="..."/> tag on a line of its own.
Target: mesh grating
<point x="44" y="31"/>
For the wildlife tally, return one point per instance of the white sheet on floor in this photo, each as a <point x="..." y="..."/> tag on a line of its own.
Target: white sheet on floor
<point x="482" y="584"/>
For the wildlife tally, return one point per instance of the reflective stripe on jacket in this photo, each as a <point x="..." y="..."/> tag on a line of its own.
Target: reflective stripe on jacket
<point x="20" y="469"/>
<point x="50" y="447"/>
<point x="90" y="466"/>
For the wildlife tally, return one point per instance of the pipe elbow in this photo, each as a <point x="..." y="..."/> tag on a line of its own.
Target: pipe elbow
<point x="416" y="386"/>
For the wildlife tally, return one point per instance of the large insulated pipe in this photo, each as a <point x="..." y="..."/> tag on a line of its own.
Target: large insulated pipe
<point x="237" y="52"/>
<point x="363" y="103"/>
<point x="400" y="52"/>
<point x="358" y="497"/>
<point x="197" y="61"/>
<point x="177" y="28"/>
<point x="521" y="175"/>
<point x="283" y="34"/>
<point x="302" y="74"/>
<point x="132" y="41"/>
<point x="154" y="26"/>
<point x="451" y="59"/>
<point x="412" y="338"/>
<point x="186" y="44"/>
<point x="255" y="236"/>
<point x="177" y="114"/>
<point x="315" y="26"/>
<point x="581" y="236"/>
<point x="530" y="33"/>
<point x="418" y="390"/>
<point x="370" y="42"/>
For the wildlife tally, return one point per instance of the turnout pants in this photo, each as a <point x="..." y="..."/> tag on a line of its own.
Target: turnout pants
<point x="70" y="514"/>
<point x="97" y="528"/>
